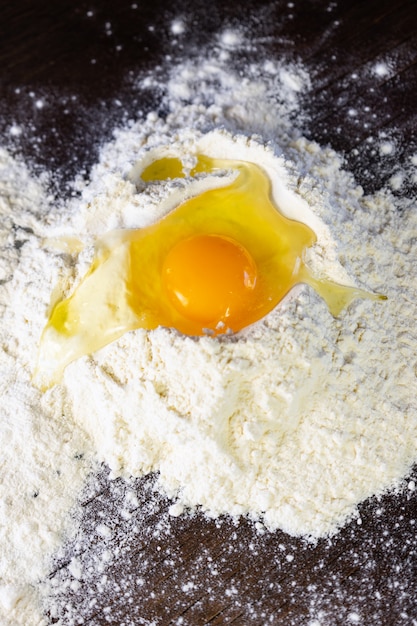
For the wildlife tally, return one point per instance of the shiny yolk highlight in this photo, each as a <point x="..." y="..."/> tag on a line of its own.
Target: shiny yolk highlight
<point x="217" y="263"/>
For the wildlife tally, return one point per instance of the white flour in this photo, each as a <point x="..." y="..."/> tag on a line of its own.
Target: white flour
<point x="299" y="419"/>
<point x="294" y="422"/>
<point x="41" y="466"/>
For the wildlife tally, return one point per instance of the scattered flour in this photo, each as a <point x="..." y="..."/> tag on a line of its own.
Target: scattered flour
<point x="293" y="422"/>
<point x="178" y="27"/>
<point x="42" y="469"/>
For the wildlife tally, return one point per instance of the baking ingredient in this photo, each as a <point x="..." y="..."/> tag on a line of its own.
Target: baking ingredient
<point x="287" y="425"/>
<point x="292" y="423"/>
<point x="219" y="261"/>
<point x="44" y="460"/>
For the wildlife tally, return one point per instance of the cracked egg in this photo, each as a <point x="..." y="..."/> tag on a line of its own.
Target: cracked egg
<point x="218" y="262"/>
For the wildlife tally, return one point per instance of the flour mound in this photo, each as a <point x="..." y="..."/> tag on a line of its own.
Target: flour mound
<point x="293" y="421"/>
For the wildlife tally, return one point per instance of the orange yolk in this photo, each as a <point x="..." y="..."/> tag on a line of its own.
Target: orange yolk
<point x="210" y="277"/>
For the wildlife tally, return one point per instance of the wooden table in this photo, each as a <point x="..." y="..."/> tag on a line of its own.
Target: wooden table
<point x="188" y="570"/>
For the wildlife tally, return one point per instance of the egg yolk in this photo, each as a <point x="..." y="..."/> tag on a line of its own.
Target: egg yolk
<point x="209" y="277"/>
<point x="218" y="262"/>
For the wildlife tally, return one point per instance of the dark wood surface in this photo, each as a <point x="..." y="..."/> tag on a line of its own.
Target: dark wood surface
<point x="188" y="570"/>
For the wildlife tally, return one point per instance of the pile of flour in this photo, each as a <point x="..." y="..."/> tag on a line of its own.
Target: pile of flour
<point x="292" y="422"/>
